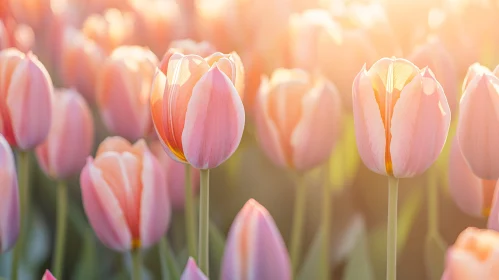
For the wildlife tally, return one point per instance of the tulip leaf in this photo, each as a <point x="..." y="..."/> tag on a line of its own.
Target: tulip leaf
<point x="359" y="264"/>
<point x="87" y="263"/>
<point x="311" y="265"/>
<point x="217" y="246"/>
<point x="435" y="250"/>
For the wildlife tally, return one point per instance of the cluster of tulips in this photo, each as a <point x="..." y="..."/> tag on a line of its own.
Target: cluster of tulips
<point x="140" y="99"/>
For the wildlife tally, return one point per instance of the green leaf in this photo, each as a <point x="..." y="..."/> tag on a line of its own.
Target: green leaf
<point x="217" y="246"/>
<point x="359" y="264"/>
<point x="87" y="263"/>
<point x="435" y="250"/>
<point x="311" y="265"/>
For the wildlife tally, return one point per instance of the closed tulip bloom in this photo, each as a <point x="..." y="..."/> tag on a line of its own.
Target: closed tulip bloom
<point x="298" y="119"/>
<point x="475" y="255"/>
<point x="48" y="276"/>
<point x="401" y="117"/>
<point x="477" y="129"/>
<point x="192" y="272"/>
<point x="235" y="61"/>
<point x="255" y="249"/>
<point x="123" y="88"/>
<point x="25" y="99"/>
<point x="71" y="136"/>
<point x="124" y="196"/>
<point x="9" y="208"/>
<point x="472" y="194"/>
<point x="196" y="110"/>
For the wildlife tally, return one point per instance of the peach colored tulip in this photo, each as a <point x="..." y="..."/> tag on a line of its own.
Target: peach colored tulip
<point x="71" y="136"/>
<point x="401" y="117"/>
<point x="25" y="99"/>
<point x="298" y="119"/>
<point x="81" y="60"/>
<point x="235" y="60"/>
<point x="475" y="255"/>
<point x="434" y="55"/>
<point x="477" y="130"/>
<point x="48" y="275"/>
<point x="123" y="88"/>
<point x="175" y="176"/>
<point x="4" y="37"/>
<point x="192" y="272"/>
<point x="9" y="208"/>
<point x="124" y="196"/>
<point x="32" y="12"/>
<point x="472" y="194"/>
<point x="255" y="249"/>
<point x="188" y="46"/>
<point x="196" y="110"/>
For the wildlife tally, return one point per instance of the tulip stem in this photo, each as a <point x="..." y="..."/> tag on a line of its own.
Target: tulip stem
<point x="190" y="215"/>
<point x="297" y="230"/>
<point x="432" y="191"/>
<point x="62" y="208"/>
<point x="391" y="241"/>
<point x="326" y="209"/>
<point x="136" y="264"/>
<point x="204" y="221"/>
<point x="23" y="169"/>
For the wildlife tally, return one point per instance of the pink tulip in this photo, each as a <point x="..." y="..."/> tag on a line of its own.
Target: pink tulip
<point x="9" y="208"/>
<point x="255" y="249"/>
<point x="25" y="99"/>
<point x="175" y="176"/>
<point x="477" y="129"/>
<point x="298" y="119"/>
<point x="401" y="117"/>
<point x="472" y="194"/>
<point x="196" y="110"/>
<point x="32" y="12"/>
<point x="192" y="272"/>
<point x="71" y="136"/>
<point x="475" y="255"/>
<point x="48" y="276"/>
<point x="123" y="88"/>
<point x="124" y="196"/>
<point x="81" y="60"/>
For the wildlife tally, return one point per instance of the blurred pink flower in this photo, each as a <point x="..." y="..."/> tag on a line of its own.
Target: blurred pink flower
<point x="9" y="208"/>
<point x="48" y="276"/>
<point x="192" y="272"/>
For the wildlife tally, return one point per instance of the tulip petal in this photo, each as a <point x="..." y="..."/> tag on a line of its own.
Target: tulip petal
<point x="48" y="276"/>
<point x="461" y="265"/>
<point x="214" y="121"/>
<point x="192" y="272"/>
<point x="9" y="208"/>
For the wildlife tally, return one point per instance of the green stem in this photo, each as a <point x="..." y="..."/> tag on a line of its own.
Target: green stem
<point x="62" y="208"/>
<point x="136" y="264"/>
<point x="326" y="216"/>
<point x="190" y="215"/>
<point x="297" y="230"/>
<point x="163" y="258"/>
<point x="204" y="221"/>
<point x="432" y="192"/>
<point x="23" y="169"/>
<point x="391" y="241"/>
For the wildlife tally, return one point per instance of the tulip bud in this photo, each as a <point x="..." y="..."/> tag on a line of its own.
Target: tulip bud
<point x="477" y="130"/>
<point x="192" y="272"/>
<point x="124" y="196"/>
<point x="71" y="136"/>
<point x="401" y="117"/>
<point x="48" y="276"/>
<point x="196" y="110"/>
<point x="475" y="255"/>
<point x="471" y="194"/>
<point x="175" y="176"/>
<point x="9" y="208"/>
<point x="236" y="73"/>
<point x="25" y="99"/>
<point x="123" y="88"/>
<point x="255" y="249"/>
<point x="81" y="60"/>
<point x="297" y="119"/>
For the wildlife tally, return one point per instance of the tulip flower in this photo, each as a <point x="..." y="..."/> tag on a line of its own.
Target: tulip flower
<point x="80" y="63"/>
<point x="477" y="130"/>
<point x="9" y="209"/>
<point x="25" y="99"/>
<point x="291" y="107"/>
<point x="124" y="196"/>
<point x="192" y="272"/>
<point x="255" y="249"/>
<point x="475" y="255"/>
<point x="472" y="194"/>
<point x="32" y="12"/>
<point x="196" y="109"/>
<point x="188" y="46"/>
<point x="123" y="88"/>
<point x="48" y="276"/>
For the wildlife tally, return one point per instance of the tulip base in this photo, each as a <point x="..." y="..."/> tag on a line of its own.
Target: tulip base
<point x="297" y="230"/>
<point x="204" y="221"/>
<point x="62" y="208"/>
<point x="391" y="241"/>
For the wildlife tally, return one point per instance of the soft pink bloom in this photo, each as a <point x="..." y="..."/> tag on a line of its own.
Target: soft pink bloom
<point x="196" y="109"/>
<point x="71" y="136"/>
<point x="123" y="88"/>
<point x="478" y="125"/>
<point x="9" y="208"/>
<point x="401" y="117"/>
<point x="298" y="119"/>
<point x="25" y="99"/>
<point x="124" y="196"/>
<point x="475" y="255"/>
<point x="192" y="272"/>
<point x="188" y="46"/>
<point x="32" y="12"/>
<point x="255" y="249"/>
<point x="472" y="194"/>
<point x="48" y="276"/>
<point x="175" y="176"/>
